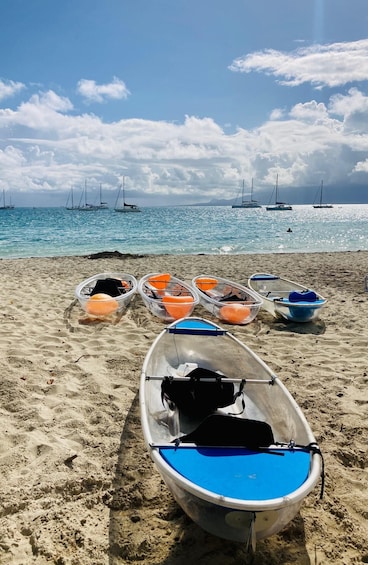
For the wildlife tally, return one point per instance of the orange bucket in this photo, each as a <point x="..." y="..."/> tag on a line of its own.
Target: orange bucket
<point x="235" y="313"/>
<point x="101" y="305"/>
<point x="178" y="306"/>
<point x="206" y="283"/>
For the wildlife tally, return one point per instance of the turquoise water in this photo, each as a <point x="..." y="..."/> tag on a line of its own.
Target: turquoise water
<point x="46" y="232"/>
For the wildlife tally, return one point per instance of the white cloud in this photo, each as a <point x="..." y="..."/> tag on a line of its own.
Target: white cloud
<point x="44" y="143"/>
<point x="93" y="92"/>
<point x="361" y="167"/>
<point x="9" y="88"/>
<point x="53" y="101"/>
<point x="277" y="114"/>
<point x="311" y="112"/>
<point x="329" y="65"/>
<point x="43" y="111"/>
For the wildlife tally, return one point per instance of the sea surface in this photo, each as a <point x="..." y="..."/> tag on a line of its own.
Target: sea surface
<point x="47" y="232"/>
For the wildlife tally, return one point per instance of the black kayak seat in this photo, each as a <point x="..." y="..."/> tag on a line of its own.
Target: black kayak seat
<point x="202" y="393"/>
<point x="230" y="431"/>
<point x="110" y="286"/>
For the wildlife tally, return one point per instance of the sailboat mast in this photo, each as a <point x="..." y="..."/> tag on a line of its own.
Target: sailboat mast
<point x="320" y="196"/>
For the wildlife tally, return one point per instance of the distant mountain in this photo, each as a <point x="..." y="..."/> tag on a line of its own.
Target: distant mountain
<point x="333" y="194"/>
<point x="215" y="202"/>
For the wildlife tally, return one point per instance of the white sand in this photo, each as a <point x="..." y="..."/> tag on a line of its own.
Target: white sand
<point x="77" y="486"/>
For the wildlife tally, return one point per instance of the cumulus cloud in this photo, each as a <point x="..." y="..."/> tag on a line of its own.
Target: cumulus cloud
<point x="9" y="88"/>
<point x="361" y="167"/>
<point x="44" y="142"/>
<point x="52" y="101"/>
<point x="43" y="111"/>
<point x="331" y="65"/>
<point x="94" y="92"/>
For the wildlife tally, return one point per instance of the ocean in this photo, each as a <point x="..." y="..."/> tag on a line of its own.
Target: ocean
<point x="47" y="232"/>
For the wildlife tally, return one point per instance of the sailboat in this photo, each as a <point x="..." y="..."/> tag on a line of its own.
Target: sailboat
<point x="5" y="206"/>
<point x="321" y="205"/>
<point x="70" y="201"/>
<point x="125" y="207"/>
<point x="278" y="205"/>
<point x="85" y="207"/>
<point x="102" y="205"/>
<point x="247" y="203"/>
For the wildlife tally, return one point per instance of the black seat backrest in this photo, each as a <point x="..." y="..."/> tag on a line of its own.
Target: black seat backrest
<point x="112" y="287"/>
<point x="201" y="394"/>
<point x="222" y="430"/>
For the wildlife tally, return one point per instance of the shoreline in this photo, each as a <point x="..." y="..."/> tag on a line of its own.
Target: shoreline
<point x="78" y="486"/>
<point x="126" y="256"/>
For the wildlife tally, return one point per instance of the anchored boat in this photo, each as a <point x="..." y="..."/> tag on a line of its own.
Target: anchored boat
<point x="251" y="203"/>
<point x="321" y="204"/>
<point x="121" y="205"/>
<point x="280" y="206"/>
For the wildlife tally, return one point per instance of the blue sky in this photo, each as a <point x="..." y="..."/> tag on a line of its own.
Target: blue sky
<point x="185" y="98"/>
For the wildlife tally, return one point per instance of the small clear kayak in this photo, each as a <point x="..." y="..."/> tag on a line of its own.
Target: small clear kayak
<point x="230" y="302"/>
<point x="286" y="299"/>
<point x="167" y="297"/>
<point x="105" y="294"/>
<point x="227" y="437"/>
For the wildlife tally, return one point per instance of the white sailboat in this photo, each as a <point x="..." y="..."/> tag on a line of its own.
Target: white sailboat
<point x="5" y="206"/>
<point x="124" y="207"/>
<point x="102" y="205"/>
<point x="282" y="206"/>
<point x="70" y="201"/>
<point x="321" y="205"/>
<point x="83" y="204"/>
<point x="248" y="203"/>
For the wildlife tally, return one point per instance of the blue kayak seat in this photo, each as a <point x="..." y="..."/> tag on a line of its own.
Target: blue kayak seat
<point x="304" y="296"/>
<point x="264" y="277"/>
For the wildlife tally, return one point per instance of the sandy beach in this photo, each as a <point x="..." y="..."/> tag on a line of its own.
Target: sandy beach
<point x="78" y="487"/>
